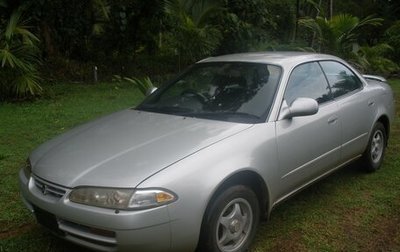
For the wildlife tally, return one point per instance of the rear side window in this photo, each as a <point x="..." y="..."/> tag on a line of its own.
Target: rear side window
<point x="341" y="79"/>
<point x="307" y="80"/>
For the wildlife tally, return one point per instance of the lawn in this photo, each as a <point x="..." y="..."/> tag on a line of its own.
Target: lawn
<point x="348" y="211"/>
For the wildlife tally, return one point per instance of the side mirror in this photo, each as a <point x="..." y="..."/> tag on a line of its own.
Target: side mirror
<point x="300" y="107"/>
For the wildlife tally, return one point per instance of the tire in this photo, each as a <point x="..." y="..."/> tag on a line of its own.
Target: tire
<point x="373" y="155"/>
<point x="231" y="221"/>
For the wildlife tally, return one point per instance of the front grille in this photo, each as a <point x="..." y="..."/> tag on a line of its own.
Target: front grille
<point x="48" y="189"/>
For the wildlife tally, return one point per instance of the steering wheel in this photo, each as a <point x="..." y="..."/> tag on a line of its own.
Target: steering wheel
<point x="198" y="96"/>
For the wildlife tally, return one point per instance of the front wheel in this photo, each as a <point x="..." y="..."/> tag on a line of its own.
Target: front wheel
<point x="230" y="221"/>
<point x="373" y="155"/>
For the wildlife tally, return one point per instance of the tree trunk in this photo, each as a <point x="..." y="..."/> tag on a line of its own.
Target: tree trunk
<point x="315" y="33"/>
<point x="297" y="20"/>
<point x="50" y="50"/>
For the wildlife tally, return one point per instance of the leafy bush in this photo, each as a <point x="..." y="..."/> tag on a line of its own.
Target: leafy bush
<point x="392" y="37"/>
<point x="376" y="59"/>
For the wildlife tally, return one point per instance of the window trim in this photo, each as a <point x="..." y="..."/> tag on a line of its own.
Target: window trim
<point x="351" y="70"/>
<point x="322" y="70"/>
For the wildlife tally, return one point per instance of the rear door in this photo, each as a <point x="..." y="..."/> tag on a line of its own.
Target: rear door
<point x="356" y="109"/>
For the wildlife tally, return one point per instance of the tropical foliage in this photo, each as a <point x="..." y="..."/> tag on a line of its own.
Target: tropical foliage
<point x="158" y="37"/>
<point x="375" y="59"/>
<point x="392" y="36"/>
<point x="341" y="35"/>
<point x="195" y="35"/>
<point x="338" y="35"/>
<point x="19" y="75"/>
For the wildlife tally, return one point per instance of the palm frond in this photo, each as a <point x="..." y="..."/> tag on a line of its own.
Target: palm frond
<point x="27" y="36"/>
<point x="339" y="34"/>
<point x="8" y="58"/>
<point x="19" y="55"/>
<point x="204" y="10"/>
<point x="27" y="84"/>
<point x="12" y="25"/>
<point x="174" y="8"/>
<point x="145" y="85"/>
<point x="196" y="36"/>
<point x="370" y="20"/>
<point x="376" y="61"/>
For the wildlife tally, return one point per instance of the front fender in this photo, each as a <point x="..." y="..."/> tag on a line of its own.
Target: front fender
<point x="196" y="178"/>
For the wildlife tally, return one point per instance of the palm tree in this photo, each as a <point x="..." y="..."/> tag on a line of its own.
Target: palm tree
<point x="19" y="52"/>
<point x="196" y="37"/>
<point x="338" y="35"/>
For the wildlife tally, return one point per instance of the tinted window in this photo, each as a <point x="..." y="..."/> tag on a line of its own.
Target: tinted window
<point x="231" y="91"/>
<point x="307" y="80"/>
<point x="341" y="79"/>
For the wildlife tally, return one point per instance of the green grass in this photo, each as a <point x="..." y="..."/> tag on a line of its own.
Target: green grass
<point x="348" y="211"/>
<point x="23" y="127"/>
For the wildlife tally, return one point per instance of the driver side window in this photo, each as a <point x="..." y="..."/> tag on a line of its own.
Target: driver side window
<point x="308" y="80"/>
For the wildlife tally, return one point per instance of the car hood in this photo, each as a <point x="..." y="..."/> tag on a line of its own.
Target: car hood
<point x="125" y="148"/>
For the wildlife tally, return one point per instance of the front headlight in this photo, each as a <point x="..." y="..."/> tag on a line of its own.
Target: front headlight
<point x="121" y="198"/>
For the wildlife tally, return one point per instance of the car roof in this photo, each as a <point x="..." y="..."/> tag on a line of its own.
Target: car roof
<point x="277" y="58"/>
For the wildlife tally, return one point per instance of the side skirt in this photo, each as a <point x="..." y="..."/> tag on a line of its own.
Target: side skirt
<point x="299" y="189"/>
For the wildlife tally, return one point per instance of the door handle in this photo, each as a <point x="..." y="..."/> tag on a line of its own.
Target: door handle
<point x="332" y="120"/>
<point x="371" y="103"/>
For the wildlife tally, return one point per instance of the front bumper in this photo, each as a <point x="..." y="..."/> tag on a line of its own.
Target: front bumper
<point x="93" y="227"/>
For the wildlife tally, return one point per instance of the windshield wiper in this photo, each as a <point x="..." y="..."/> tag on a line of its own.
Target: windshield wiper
<point x="167" y="110"/>
<point x="240" y="117"/>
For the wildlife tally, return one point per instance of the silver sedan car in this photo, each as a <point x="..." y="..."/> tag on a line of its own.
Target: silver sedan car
<point x="206" y="156"/>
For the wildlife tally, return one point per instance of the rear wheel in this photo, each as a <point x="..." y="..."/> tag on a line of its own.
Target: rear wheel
<point x="373" y="155"/>
<point x="231" y="221"/>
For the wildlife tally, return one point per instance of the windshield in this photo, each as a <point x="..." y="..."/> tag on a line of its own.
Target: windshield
<point x="229" y="91"/>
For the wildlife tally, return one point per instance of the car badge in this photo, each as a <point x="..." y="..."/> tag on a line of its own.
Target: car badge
<point x="44" y="189"/>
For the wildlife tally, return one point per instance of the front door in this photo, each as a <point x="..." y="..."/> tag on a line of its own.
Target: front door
<point x="308" y="146"/>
